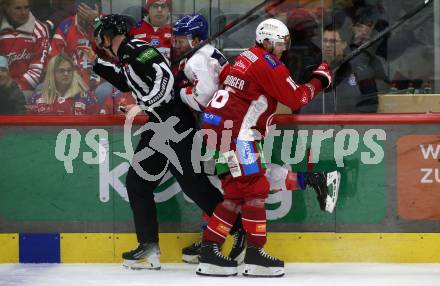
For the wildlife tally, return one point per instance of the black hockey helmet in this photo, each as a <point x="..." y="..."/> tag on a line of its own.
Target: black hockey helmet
<point x="112" y="25"/>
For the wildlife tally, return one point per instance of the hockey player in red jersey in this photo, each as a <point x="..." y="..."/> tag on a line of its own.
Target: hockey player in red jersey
<point x="202" y="75"/>
<point x="24" y="41"/>
<point x="155" y="28"/>
<point x="198" y="78"/>
<point x="256" y="83"/>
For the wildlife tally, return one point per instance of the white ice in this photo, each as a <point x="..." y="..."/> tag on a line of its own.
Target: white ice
<point x="297" y="274"/>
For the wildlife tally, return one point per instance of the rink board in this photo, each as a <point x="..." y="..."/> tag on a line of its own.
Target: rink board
<point x="291" y="247"/>
<point x="386" y="212"/>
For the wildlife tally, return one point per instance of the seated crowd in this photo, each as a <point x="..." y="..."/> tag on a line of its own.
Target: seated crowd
<point x="44" y="71"/>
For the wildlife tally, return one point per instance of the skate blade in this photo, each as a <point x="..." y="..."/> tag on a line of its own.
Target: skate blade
<point x="140" y="265"/>
<point x="190" y="259"/>
<point x="251" y="270"/>
<point x="333" y="182"/>
<point x="206" y="269"/>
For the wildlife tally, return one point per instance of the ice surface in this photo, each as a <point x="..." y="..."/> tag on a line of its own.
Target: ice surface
<point x="316" y="274"/>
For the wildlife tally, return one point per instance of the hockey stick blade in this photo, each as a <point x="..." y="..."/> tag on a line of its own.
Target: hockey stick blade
<point x="333" y="184"/>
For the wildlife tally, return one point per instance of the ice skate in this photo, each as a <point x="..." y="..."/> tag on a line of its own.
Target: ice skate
<point x="238" y="249"/>
<point x="190" y="254"/>
<point x="326" y="186"/>
<point x="257" y="263"/>
<point x="145" y="256"/>
<point x="214" y="263"/>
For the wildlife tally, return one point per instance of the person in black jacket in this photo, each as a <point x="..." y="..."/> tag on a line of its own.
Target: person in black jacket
<point x="144" y="71"/>
<point x="53" y="12"/>
<point x="11" y="98"/>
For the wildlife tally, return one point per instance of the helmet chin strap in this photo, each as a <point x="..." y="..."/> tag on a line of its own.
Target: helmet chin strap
<point x="272" y="47"/>
<point x="189" y="38"/>
<point x="111" y="48"/>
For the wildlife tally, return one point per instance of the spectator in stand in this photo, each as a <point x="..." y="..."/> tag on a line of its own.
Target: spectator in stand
<point x="53" y="12"/>
<point x="280" y="9"/>
<point x="24" y="41"/>
<point x="11" y="98"/>
<point x="155" y="28"/>
<point x="354" y="87"/>
<point x="75" y="31"/>
<point x="366" y="23"/>
<point x="64" y="91"/>
<point x="304" y="55"/>
<point x="370" y="64"/>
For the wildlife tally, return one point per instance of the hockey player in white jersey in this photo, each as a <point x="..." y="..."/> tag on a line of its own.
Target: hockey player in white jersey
<point x="197" y="80"/>
<point x="206" y="69"/>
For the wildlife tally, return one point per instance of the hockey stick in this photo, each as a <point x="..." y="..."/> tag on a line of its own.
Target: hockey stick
<point x="227" y="28"/>
<point x="383" y="33"/>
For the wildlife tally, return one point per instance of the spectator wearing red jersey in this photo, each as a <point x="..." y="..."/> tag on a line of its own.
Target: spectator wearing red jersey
<point x="155" y="28"/>
<point x="75" y="31"/>
<point x="24" y="41"/>
<point x="64" y="91"/>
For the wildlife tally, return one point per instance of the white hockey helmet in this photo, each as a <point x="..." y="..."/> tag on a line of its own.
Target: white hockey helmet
<point x="274" y="30"/>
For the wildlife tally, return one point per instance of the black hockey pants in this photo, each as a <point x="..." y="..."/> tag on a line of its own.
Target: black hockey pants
<point x="195" y="186"/>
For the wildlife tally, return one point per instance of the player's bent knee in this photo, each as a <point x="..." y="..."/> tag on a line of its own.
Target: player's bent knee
<point x="255" y="202"/>
<point x="231" y="205"/>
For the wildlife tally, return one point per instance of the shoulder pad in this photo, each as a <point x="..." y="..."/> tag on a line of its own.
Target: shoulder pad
<point x="271" y="60"/>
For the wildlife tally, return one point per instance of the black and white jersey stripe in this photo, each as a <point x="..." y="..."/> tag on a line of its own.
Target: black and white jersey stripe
<point x="151" y="80"/>
<point x="163" y="85"/>
<point x="138" y="86"/>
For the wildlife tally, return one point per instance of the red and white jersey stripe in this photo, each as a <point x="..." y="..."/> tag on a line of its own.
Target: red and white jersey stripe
<point x="26" y="48"/>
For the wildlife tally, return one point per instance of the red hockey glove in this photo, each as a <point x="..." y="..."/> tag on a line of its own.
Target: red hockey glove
<point x="324" y="74"/>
